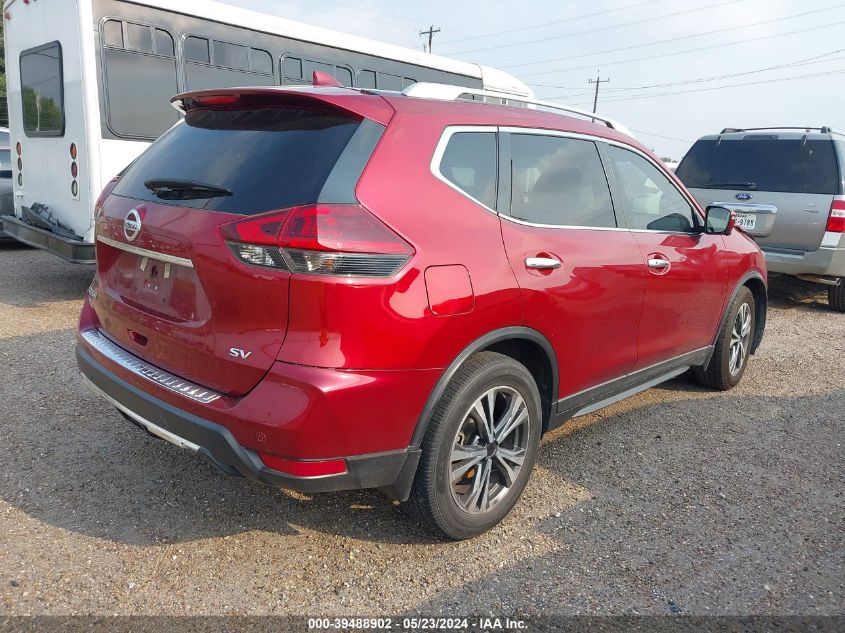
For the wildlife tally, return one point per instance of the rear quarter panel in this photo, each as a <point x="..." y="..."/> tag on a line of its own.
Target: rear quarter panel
<point x="388" y="324"/>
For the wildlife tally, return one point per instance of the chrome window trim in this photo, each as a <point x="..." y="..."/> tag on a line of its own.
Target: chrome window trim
<point x="450" y="130"/>
<point x="437" y="157"/>
<point x="140" y="368"/>
<point x="600" y="139"/>
<point x="143" y="252"/>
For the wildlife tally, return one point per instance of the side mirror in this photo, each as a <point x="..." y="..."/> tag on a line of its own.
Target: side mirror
<point x="719" y="220"/>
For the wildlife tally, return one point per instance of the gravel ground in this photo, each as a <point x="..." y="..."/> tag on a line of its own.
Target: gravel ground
<point x="678" y="500"/>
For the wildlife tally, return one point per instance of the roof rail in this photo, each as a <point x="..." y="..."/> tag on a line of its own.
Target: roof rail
<point x="824" y="129"/>
<point x="449" y="92"/>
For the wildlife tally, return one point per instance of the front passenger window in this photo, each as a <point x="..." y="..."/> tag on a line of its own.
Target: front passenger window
<point x="652" y="202"/>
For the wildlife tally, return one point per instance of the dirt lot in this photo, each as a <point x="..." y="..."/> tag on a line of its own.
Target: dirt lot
<point x="679" y="500"/>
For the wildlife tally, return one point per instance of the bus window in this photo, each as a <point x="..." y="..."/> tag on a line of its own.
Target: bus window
<point x="291" y="70"/>
<point x="389" y="82"/>
<point x="408" y="81"/>
<point x="230" y="55"/>
<point x="367" y="79"/>
<point x="301" y="71"/>
<point x="42" y="90"/>
<point x="113" y="33"/>
<point x="139" y="38"/>
<point x="138" y="81"/>
<point x="229" y="65"/>
<point x="164" y="43"/>
<point x="343" y="75"/>
<point x="308" y="68"/>
<point x="196" y="50"/>
<point x="262" y="62"/>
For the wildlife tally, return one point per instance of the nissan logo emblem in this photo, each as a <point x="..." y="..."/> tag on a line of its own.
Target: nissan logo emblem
<point x="132" y="225"/>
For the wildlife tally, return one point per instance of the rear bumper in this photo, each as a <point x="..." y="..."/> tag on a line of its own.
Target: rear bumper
<point x="824" y="261"/>
<point x="72" y="250"/>
<point x="392" y="471"/>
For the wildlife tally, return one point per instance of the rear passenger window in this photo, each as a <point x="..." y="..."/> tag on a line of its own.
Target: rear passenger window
<point x="652" y="202"/>
<point x="469" y="163"/>
<point x="559" y="181"/>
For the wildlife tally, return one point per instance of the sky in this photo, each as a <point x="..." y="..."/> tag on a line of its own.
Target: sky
<point x="678" y="69"/>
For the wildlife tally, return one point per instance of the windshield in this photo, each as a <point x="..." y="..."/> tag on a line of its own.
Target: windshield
<point x="762" y="164"/>
<point x="241" y="161"/>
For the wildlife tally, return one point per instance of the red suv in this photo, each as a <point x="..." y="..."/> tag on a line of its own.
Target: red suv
<point x="324" y="289"/>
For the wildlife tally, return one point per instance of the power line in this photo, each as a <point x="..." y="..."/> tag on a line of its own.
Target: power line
<point x="668" y="138"/>
<point x="594" y="30"/>
<point x="689" y="50"/>
<point x="539" y="26"/>
<point x="750" y="83"/>
<point x="817" y="59"/>
<point x="676" y="39"/>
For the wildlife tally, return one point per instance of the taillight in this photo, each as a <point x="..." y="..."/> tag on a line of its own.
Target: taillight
<point x="322" y="239"/>
<point x="836" y="219"/>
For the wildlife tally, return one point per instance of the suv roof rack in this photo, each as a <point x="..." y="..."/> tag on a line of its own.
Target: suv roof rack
<point x="448" y="92"/>
<point x="824" y="129"/>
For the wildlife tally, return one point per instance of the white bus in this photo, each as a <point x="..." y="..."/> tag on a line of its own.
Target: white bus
<point x="89" y="84"/>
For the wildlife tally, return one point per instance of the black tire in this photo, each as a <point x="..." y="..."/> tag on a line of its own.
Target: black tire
<point x="836" y="296"/>
<point x="432" y="501"/>
<point x="717" y="374"/>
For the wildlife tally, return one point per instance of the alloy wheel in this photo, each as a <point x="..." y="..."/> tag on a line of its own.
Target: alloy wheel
<point x="740" y="339"/>
<point x="489" y="450"/>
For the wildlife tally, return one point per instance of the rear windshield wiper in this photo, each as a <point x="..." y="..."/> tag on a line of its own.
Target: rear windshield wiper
<point x="178" y="189"/>
<point x="732" y="185"/>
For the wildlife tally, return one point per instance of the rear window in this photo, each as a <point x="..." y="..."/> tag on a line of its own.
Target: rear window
<point x="267" y="158"/>
<point x="42" y="90"/>
<point x="764" y="164"/>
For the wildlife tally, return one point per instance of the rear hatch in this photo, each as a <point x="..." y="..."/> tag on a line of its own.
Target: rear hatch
<point x="781" y="185"/>
<point x="170" y="287"/>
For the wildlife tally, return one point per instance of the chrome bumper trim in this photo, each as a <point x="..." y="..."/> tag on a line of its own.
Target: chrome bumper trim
<point x="140" y="368"/>
<point x="143" y="252"/>
<point x="152" y="428"/>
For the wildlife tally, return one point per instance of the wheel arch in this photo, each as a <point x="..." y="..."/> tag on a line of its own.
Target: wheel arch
<point x="755" y="282"/>
<point x="525" y="345"/>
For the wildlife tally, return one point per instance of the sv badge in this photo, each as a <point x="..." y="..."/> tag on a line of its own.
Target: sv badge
<point x="234" y="352"/>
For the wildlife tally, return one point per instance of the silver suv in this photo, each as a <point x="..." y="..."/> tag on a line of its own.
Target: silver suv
<point x="787" y="188"/>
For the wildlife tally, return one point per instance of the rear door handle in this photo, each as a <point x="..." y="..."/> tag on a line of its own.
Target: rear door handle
<point x="542" y="263"/>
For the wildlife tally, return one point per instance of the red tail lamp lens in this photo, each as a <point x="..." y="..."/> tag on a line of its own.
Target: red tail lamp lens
<point x="74" y="170"/>
<point x="18" y="148"/>
<point x="836" y="220"/>
<point x="298" y="468"/>
<point x="335" y="239"/>
<point x="213" y="100"/>
<point x="20" y="164"/>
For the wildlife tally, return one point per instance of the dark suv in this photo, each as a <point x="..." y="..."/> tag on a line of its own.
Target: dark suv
<point x="325" y="288"/>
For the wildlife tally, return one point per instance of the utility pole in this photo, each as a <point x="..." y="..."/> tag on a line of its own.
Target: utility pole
<point x="597" y="81"/>
<point x="430" y="32"/>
